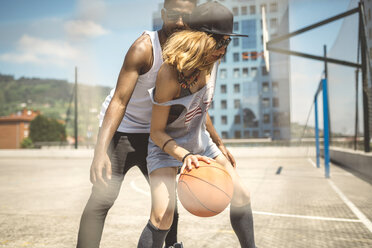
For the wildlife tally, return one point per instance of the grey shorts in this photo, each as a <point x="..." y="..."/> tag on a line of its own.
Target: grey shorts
<point x="156" y="158"/>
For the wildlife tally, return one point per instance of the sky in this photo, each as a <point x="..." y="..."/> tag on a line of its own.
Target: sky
<point x="48" y="38"/>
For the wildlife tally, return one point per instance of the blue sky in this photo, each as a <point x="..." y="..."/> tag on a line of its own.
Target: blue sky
<point x="47" y="38"/>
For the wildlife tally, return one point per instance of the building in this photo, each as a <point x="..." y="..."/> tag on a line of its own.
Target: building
<point x="249" y="101"/>
<point x="14" y="128"/>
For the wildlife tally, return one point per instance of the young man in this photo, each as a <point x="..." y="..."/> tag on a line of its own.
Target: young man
<point x="125" y="125"/>
<point x="179" y="137"/>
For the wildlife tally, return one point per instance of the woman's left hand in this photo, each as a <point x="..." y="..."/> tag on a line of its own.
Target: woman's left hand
<point x="193" y="159"/>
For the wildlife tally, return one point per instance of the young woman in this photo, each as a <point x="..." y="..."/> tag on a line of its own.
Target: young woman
<point x="183" y="92"/>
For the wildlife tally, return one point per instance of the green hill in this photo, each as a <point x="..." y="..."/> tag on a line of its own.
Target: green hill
<point x="52" y="97"/>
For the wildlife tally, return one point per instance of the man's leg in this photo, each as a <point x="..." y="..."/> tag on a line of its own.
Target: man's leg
<point x="163" y="191"/>
<point x="102" y="198"/>
<point x="241" y="217"/>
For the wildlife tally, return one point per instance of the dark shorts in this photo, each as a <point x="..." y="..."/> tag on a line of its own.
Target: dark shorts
<point x="127" y="150"/>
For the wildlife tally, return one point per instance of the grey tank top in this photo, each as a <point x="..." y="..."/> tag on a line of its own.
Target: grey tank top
<point x="189" y="130"/>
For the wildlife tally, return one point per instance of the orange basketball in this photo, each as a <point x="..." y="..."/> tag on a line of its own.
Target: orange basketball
<point x="205" y="191"/>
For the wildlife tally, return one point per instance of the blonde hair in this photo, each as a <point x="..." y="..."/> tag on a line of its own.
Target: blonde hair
<point x="187" y="50"/>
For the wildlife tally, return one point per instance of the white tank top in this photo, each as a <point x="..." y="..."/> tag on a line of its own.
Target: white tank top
<point x="137" y="117"/>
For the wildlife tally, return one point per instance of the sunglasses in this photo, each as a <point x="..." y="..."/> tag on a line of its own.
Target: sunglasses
<point x="175" y="15"/>
<point x="221" y="42"/>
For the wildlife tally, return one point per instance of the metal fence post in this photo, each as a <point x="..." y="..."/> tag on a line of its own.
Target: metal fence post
<point x="325" y="127"/>
<point x="317" y="132"/>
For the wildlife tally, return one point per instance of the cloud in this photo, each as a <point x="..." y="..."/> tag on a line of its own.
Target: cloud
<point x="40" y="51"/>
<point x="91" y="9"/>
<point x="84" y="29"/>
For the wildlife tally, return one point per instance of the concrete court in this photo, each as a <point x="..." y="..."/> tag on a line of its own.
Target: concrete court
<point x="41" y="200"/>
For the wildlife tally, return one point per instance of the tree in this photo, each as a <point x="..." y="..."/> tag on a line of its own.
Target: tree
<point x="46" y="129"/>
<point x="27" y="143"/>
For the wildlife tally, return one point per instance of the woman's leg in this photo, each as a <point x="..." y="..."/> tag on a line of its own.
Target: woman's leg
<point x="241" y="217"/>
<point x="163" y="193"/>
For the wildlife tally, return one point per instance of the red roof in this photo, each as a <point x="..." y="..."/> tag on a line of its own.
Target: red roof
<point x="24" y="115"/>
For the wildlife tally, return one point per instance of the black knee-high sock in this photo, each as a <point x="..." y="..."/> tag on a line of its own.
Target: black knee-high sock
<point x="242" y="222"/>
<point x="171" y="238"/>
<point x="152" y="237"/>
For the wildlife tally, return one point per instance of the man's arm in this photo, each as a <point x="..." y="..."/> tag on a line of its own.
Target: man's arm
<point x="138" y="59"/>
<point x="218" y="141"/>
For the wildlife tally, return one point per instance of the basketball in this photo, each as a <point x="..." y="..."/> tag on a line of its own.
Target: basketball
<point x="205" y="191"/>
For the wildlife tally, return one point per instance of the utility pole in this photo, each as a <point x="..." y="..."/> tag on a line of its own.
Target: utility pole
<point x="76" y="110"/>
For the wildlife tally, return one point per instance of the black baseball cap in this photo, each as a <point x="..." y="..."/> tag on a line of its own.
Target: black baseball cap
<point x="213" y="18"/>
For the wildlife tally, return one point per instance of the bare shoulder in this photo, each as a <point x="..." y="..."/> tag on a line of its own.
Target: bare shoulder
<point x="167" y="86"/>
<point x="140" y="53"/>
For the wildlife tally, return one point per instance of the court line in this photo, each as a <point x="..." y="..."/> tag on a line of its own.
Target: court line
<point x="307" y="217"/>
<point x="352" y="207"/>
<point x="136" y="188"/>
<point x="362" y="218"/>
<point x="312" y="162"/>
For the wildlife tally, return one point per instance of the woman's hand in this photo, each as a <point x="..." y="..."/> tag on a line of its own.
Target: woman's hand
<point x="193" y="159"/>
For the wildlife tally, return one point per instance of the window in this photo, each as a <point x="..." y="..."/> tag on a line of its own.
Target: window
<point x="235" y="42"/>
<point x="267" y="133"/>
<point x="249" y="27"/>
<point x="245" y="72"/>
<point x="236" y="88"/>
<point x="26" y="125"/>
<point x="276" y="119"/>
<point x="253" y="71"/>
<point x="224" y="135"/>
<point x="237" y="134"/>
<point x="266" y="118"/>
<point x="223" y="88"/>
<point x="223" y="104"/>
<point x="244" y="10"/>
<point x="264" y="71"/>
<point x="273" y="23"/>
<point x="212" y="119"/>
<point x="255" y="134"/>
<point x="246" y="134"/>
<point x="265" y="87"/>
<point x="236" y="57"/>
<point x="265" y="102"/>
<point x="273" y="7"/>
<point x="236" y="72"/>
<point x="25" y="133"/>
<point x="245" y="56"/>
<point x="277" y="134"/>
<point x="235" y="11"/>
<point x="237" y="119"/>
<point x="236" y="26"/>
<point x="254" y="55"/>
<point x="224" y="120"/>
<point x="275" y="102"/>
<point x="237" y="103"/>
<point x="252" y="9"/>
<point x="223" y="73"/>
<point x="275" y="87"/>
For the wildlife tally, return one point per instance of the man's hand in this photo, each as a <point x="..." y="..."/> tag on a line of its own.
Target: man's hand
<point x="100" y="164"/>
<point x="228" y="155"/>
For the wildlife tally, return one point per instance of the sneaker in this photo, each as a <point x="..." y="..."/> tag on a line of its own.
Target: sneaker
<point x="178" y="245"/>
